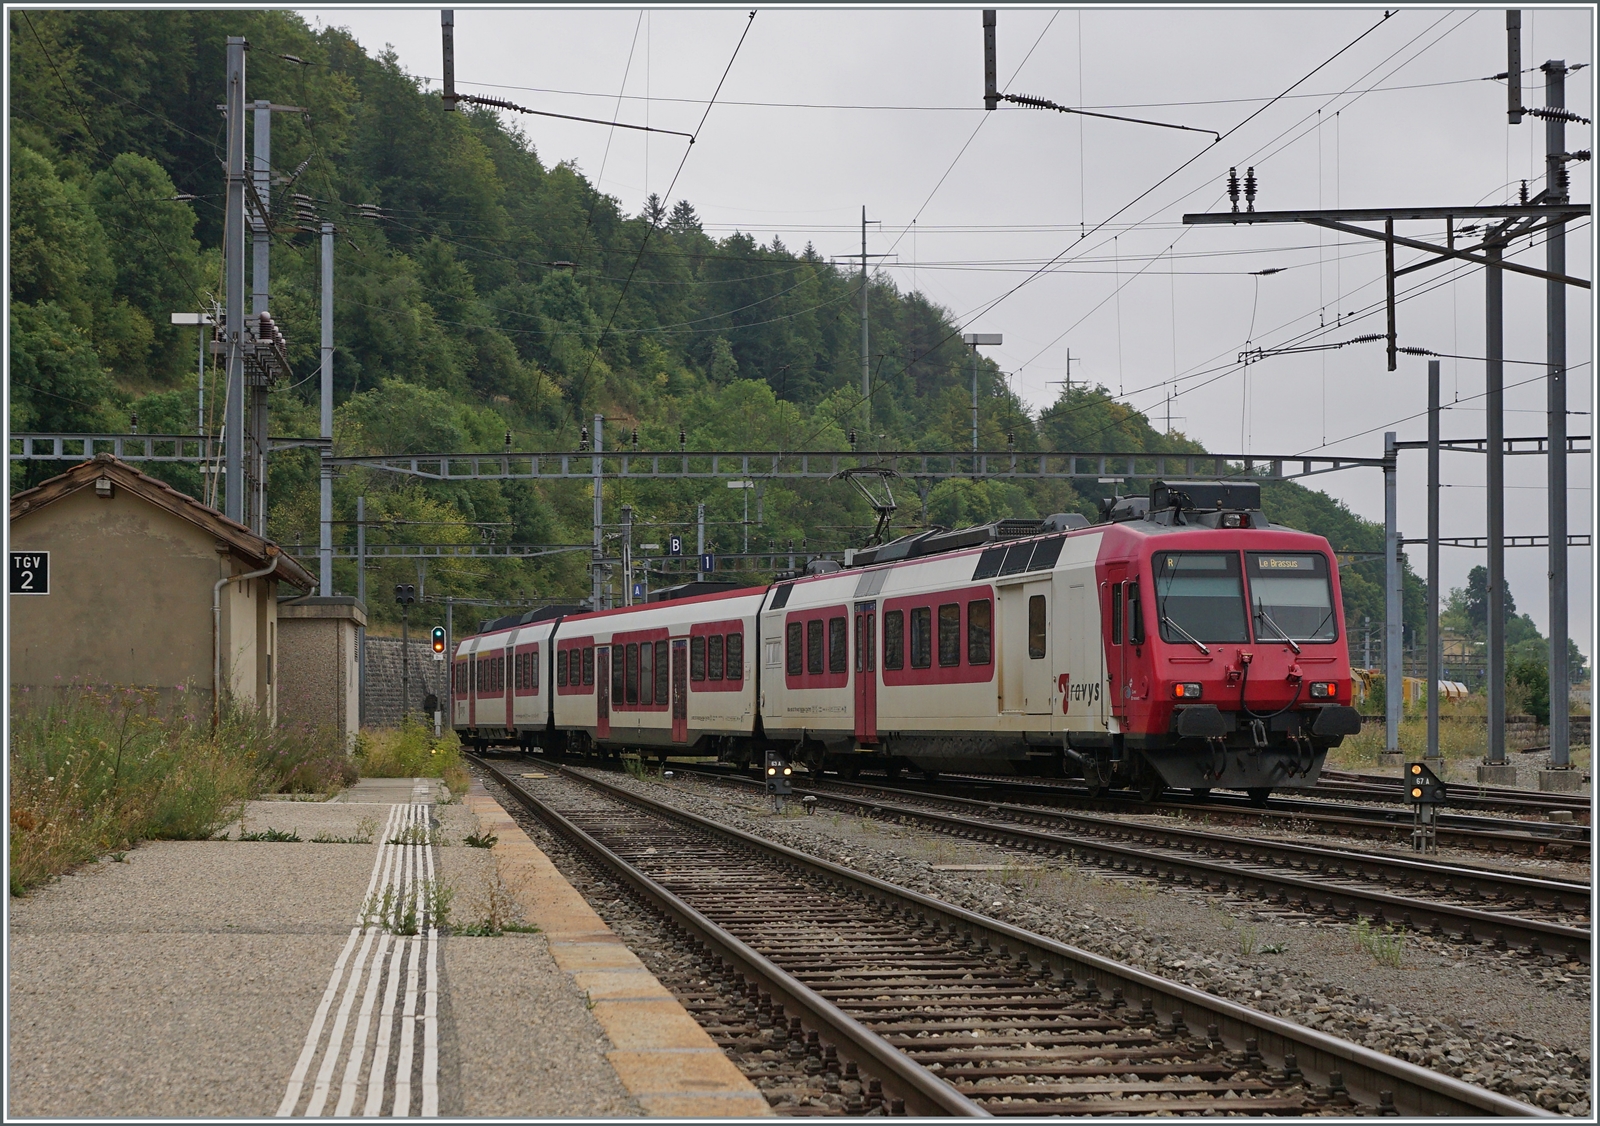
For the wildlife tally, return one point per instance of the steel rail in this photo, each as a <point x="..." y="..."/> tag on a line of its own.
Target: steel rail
<point x="1416" y="1090"/>
<point x="1397" y="868"/>
<point x="1484" y="833"/>
<point x="924" y="1092"/>
<point x="1319" y="896"/>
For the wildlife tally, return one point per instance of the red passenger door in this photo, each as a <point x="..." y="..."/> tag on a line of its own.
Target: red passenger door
<point x="867" y="672"/>
<point x="1116" y="642"/>
<point x="680" y="691"/>
<point x="602" y="692"/>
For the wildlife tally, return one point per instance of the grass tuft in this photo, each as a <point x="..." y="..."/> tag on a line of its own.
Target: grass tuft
<point x="271" y="834"/>
<point x="411" y="751"/>
<point x="94" y="768"/>
<point x="1386" y="946"/>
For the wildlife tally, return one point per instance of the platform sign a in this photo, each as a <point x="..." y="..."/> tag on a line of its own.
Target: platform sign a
<point x="30" y="572"/>
<point x="638" y="590"/>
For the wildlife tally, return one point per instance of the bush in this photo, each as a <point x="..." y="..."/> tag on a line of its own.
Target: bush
<point x="95" y="768"/>
<point x="411" y="751"/>
<point x="1533" y="678"/>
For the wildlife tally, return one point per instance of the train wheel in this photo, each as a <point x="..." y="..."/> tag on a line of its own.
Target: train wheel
<point x="1151" y="786"/>
<point x="1259" y="795"/>
<point x="1201" y="793"/>
<point x="1092" y="783"/>
<point x="930" y="775"/>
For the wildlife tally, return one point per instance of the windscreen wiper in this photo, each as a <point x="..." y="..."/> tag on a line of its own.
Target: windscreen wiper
<point x="1166" y="621"/>
<point x="1283" y="634"/>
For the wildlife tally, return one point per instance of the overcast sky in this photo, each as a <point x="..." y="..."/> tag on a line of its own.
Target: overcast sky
<point x="823" y="112"/>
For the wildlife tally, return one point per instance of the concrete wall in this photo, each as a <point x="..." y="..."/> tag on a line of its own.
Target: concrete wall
<point x="384" y="675"/>
<point x="318" y="678"/>
<point x="130" y="601"/>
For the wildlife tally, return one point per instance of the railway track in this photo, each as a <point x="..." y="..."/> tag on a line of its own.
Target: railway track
<point x="1359" y="822"/>
<point x="956" y="1013"/>
<point x="1350" y="786"/>
<point x="1472" y="905"/>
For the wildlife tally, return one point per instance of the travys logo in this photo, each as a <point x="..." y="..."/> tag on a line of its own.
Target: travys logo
<point x="1071" y="693"/>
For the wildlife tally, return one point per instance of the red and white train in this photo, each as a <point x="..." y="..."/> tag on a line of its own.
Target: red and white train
<point x="1184" y="640"/>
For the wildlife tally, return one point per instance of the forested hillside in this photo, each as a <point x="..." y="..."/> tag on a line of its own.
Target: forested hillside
<point x="485" y="293"/>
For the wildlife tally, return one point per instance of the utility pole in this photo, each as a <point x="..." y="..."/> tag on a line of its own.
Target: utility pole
<point x="260" y="277"/>
<point x="1393" y="673"/>
<point x="233" y="281"/>
<point x="1555" y="142"/>
<point x="1495" y="768"/>
<point x="1069" y="372"/>
<point x="361" y="596"/>
<point x="1433" y="560"/>
<point x="627" y="555"/>
<point x="326" y="475"/>
<point x="599" y="543"/>
<point x="866" y="353"/>
<point x="973" y="340"/>
<point x="700" y="542"/>
<point x="447" y="22"/>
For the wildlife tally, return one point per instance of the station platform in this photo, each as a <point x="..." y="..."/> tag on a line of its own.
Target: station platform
<point x="251" y="977"/>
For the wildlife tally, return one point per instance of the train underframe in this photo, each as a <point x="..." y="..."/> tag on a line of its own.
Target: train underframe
<point x="1201" y="751"/>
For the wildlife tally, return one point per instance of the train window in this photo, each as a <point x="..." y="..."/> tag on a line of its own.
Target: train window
<point x="736" y="656"/>
<point x="1017" y="557"/>
<point x="663" y="673"/>
<point x="1116" y="613"/>
<point x="1135" y="616"/>
<point x="1199" y="597"/>
<point x="697" y="658"/>
<point x="588" y="664"/>
<point x="630" y="685"/>
<point x="561" y="667"/>
<point x="894" y="639"/>
<point x="1036" y="630"/>
<point x="814" y="646"/>
<point x="533" y="671"/>
<point x="1045" y="553"/>
<point x="921" y="637"/>
<point x="950" y="634"/>
<point x="618" y="665"/>
<point x="795" y="658"/>
<point x="838" y="645"/>
<point x="980" y="628"/>
<point x="647" y="673"/>
<point x="516" y="671"/>
<point x="1291" y="597"/>
<point x="714" y="657"/>
<point x="989" y="563"/>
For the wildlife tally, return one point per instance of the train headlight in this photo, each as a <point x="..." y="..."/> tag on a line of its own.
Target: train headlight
<point x="1324" y="690"/>
<point x="1185" y="691"/>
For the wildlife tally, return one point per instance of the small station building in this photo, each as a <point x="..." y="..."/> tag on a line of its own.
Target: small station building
<point x="118" y="578"/>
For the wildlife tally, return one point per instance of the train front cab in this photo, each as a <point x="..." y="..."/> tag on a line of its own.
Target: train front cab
<point x="1226" y="660"/>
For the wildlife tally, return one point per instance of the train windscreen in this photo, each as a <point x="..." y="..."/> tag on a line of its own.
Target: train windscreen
<point x="1199" y="597"/>
<point x="1290" y="597"/>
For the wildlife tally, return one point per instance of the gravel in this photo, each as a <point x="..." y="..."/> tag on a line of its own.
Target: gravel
<point x="1513" y="1024"/>
<point x="762" y="1055"/>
